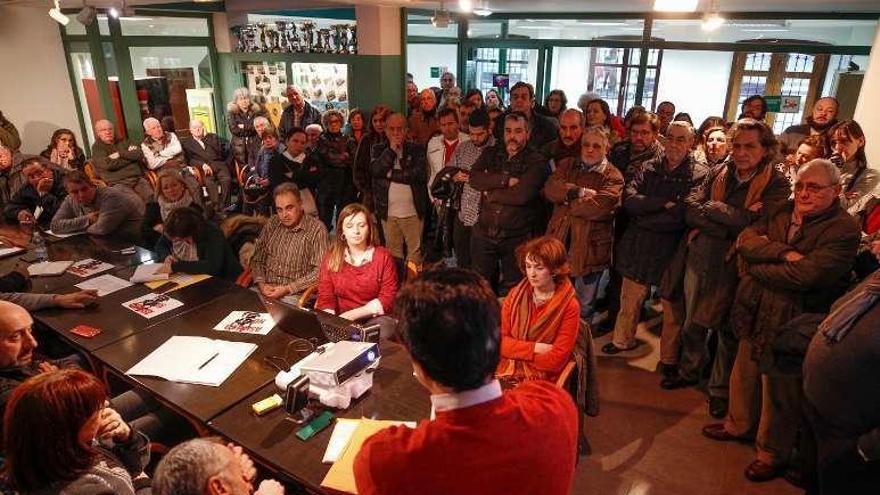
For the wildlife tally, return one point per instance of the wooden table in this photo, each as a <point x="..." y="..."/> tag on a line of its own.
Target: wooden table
<point x="395" y="395"/>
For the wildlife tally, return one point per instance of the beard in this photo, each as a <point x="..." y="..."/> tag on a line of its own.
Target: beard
<point x="820" y="127"/>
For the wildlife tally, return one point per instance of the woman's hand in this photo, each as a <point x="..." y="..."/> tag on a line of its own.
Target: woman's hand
<point x="111" y="425"/>
<point x="541" y="348"/>
<point x="166" y="265"/>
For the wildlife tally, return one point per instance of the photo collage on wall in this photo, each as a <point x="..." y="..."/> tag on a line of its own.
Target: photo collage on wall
<point x="324" y="85"/>
<point x="267" y="83"/>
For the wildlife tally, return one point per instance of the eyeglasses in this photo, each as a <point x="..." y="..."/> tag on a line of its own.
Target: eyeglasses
<point x="810" y="187"/>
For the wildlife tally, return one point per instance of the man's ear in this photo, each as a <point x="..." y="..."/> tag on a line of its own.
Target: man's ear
<point x="217" y="486"/>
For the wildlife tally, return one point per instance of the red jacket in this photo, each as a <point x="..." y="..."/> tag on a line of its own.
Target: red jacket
<point x="523" y="442"/>
<point x="353" y="286"/>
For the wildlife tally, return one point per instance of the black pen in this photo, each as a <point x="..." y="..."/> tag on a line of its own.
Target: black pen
<point x="209" y="360"/>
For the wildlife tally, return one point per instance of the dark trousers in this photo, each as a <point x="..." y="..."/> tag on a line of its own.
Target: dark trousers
<point x="461" y="240"/>
<point x="488" y="252"/>
<point x="335" y="192"/>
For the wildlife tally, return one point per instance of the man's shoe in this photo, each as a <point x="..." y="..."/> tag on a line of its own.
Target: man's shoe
<point x="676" y="382"/>
<point x="668" y="371"/>
<point x="717" y="407"/>
<point x="612" y="349"/>
<point x="759" y="472"/>
<point x="795" y="477"/>
<point x="716" y="431"/>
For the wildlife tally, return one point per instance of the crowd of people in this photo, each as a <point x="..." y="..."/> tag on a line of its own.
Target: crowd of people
<point x="761" y="251"/>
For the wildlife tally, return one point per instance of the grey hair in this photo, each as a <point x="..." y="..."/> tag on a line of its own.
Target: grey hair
<point x="186" y="469"/>
<point x="287" y="188"/>
<point x="152" y="121"/>
<point x="683" y="124"/>
<point x="314" y="126"/>
<point x="580" y="115"/>
<point x="262" y="120"/>
<point x="598" y="130"/>
<point x="196" y="121"/>
<point x="827" y="166"/>
<point x="240" y="93"/>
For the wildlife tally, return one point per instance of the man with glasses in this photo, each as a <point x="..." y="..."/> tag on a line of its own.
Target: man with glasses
<point x="118" y="161"/>
<point x="797" y="260"/>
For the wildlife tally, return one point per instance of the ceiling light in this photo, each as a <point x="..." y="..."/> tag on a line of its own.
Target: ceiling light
<point x="55" y="13"/>
<point x="712" y="20"/>
<point x="482" y="8"/>
<point x="441" y="17"/>
<point x="675" y="5"/>
<point x="466" y="6"/>
<point x="113" y="12"/>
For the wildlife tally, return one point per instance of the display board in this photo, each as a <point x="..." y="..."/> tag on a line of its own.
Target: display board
<point x="324" y="85"/>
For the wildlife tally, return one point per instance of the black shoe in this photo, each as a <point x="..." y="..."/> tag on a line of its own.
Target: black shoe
<point x="612" y="349"/>
<point x="676" y="382"/>
<point x="668" y="371"/>
<point x="717" y="407"/>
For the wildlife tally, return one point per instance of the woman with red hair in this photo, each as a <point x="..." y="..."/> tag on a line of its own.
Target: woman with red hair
<point x="60" y="437"/>
<point x="540" y="316"/>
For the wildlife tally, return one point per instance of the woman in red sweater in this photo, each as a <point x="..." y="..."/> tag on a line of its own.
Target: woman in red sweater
<point x="358" y="280"/>
<point x="540" y="316"/>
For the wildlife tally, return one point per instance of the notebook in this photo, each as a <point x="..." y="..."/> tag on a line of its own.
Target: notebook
<point x="340" y="477"/>
<point x="48" y="268"/>
<point x="147" y="273"/>
<point x="196" y="360"/>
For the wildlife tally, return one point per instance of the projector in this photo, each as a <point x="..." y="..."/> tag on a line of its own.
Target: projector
<point x="440" y="19"/>
<point x="340" y="362"/>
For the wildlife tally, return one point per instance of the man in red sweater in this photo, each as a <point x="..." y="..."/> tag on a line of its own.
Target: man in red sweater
<point x="482" y="441"/>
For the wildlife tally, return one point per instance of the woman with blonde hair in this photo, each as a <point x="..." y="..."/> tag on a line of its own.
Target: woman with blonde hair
<point x="172" y="192"/>
<point x="540" y="316"/>
<point x="358" y="280"/>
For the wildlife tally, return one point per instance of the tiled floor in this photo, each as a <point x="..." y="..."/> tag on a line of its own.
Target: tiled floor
<point x="647" y="441"/>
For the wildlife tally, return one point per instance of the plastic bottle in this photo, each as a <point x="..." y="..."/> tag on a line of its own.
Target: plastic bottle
<point x="38" y="244"/>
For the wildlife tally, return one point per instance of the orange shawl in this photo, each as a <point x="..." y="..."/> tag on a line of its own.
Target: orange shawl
<point x="756" y="190"/>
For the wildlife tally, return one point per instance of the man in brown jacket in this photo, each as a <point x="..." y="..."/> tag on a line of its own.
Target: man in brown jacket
<point x="797" y="259"/>
<point x="585" y="193"/>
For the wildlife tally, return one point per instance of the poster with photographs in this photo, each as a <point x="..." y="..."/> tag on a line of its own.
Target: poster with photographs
<point x="88" y="267"/>
<point x="325" y="86"/>
<point x="267" y="83"/>
<point x="152" y="305"/>
<point x="246" y="322"/>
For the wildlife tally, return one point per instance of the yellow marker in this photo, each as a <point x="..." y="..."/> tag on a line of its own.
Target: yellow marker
<point x="267" y="405"/>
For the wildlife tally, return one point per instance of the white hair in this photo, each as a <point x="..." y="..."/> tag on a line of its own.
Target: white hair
<point x="186" y="469"/>
<point x="261" y="120"/>
<point x="240" y="93"/>
<point x="827" y="166"/>
<point x="314" y="127"/>
<point x="196" y="121"/>
<point x="152" y="122"/>
<point x="683" y="124"/>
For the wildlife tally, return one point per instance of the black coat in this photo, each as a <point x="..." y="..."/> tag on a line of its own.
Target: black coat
<point x="311" y="115"/>
<point x="654" y="231"/>
<point x="212" y="154"/>
<point x="27" y="198"/>
<point x="413" y="171"/>
<point x="215" y="255"/>
<point x="335" y="155"/>
<point x="543" y="130"/>
<point x="244" y="139"/>
<point x="305" y="175"/>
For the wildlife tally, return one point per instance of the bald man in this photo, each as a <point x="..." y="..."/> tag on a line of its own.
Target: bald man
<point x="568" y="144"/>
<point x="118" y="161"/>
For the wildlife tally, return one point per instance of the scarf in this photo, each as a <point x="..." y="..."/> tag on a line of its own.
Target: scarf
<point x="184" y="251"/>
<point x="543" y="329"/>
<point x="757" y="185"/>
<point x="166" y="207"/>
<point x="852" y="306"/>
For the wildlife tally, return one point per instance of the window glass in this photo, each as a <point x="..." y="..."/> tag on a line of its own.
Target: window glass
<point x="420" y="25"/>
<point x="163" y="26"/>
<point x="427" y="62"/>
<point x="828" y="31"/>
<point x="484" y="29"/>
<point x="76" y="28"/>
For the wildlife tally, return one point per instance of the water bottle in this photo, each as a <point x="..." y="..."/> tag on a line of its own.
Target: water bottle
<point x="38" y="244"/>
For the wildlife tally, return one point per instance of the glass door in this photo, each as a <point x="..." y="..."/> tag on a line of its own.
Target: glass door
<point x="484" y="63"/>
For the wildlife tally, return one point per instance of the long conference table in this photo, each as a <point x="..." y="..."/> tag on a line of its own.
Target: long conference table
<point x="128" y="337"/>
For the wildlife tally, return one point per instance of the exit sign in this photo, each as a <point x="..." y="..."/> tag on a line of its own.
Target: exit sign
<point x="783" y="104"/>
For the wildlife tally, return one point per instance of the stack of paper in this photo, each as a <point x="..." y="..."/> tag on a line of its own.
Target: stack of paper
<point x="48" y="268"/>
<point x="148" y="273"/>
<point x="88" y="267"/>
<point x="9" y="250"/>
<point x="104" y="284"/>
<point x="197" y="360"/>
<point x="345" y="446"/>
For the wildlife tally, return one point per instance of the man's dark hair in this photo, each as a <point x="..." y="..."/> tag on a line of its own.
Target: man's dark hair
<point x="449" y="320"/>
<point x="523" y="84"/>
<point x="479" y="118"/>
<point x="764" y="107"/>
<point x="447" y="112"/>
<point x="296" y="130"/>
<point x="518" y="116"/>
<point x="649" y="118"/>
<point x="666" y="103"/>
<point x="77" y="177"/>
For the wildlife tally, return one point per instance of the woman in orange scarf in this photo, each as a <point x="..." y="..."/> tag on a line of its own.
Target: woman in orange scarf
<point x="540" y="317"/>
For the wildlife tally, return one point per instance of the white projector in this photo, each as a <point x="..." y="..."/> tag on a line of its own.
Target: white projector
<point x="342" y="361"/>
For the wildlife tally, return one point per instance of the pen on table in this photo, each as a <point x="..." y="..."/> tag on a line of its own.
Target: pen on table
<point x="209" y="360"/>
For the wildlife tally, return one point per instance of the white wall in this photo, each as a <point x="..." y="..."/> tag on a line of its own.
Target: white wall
<point x="869" y="102"/>
<point x="35" y="92"/>
<point x="569" y="72"/>
<point x="696" y="81"/>
<point x="421" y="57"/>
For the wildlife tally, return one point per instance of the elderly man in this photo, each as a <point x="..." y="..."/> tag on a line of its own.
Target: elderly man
<point x="118" y="161"/>
<point x="568" y="144"/>
<point x="797" y="259"/>
<point x="98" y="210"/>
<point x="522" y="100"/>
<point x="510" y="178"/>
<point x="446" y="89"/>
<point x="204" y="152"/>
<point x="585" y="192"/>
<point x="400" y="192"/>
<point x="289" y="250"/>
<point x="205" y="467"/>
<point x="821" y="119"/>
<point x="160" y="148"/>
<point x="449" y="322"/>
<point x="734" y="195"/>
<point x="39" y="199"/>
<point x="299" y="113"/>
<point x="654" y="199"/>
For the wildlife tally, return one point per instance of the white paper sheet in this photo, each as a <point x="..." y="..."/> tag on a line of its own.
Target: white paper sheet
<point x="48" y="268"/>
<point x="246" y="322"/>
<point x="147" y="273"/>
<point x="10" y="250"/>
<point x="88" y="267"/>
<point x="342" y="433"/>
<point x="152" y="305"/>
<point x="196" y="360"/>
<point x="62" y="236"/>
<point x="104" y="284"/>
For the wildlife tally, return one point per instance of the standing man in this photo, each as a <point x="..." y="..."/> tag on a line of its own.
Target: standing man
<point x="518" y="441"/>
<point x="400" y="191"/>
<point x="118" y="161"/>
<point x="655" y="202"/>
<point x="665" y="112"/>
<point x="754" y="107"/>
<point x="510" y="178"/>
<point x="568" y="143"/>
<point x="299" y="113"/>
<point x="412" y="98"/>
<point x="522" y="100"/>
<point x="821" y="119"/>
<point x="480" y="138"/>
<point x="447" y="83"/>
<point x="204" y="152"/>
<point x="443" y="145"/>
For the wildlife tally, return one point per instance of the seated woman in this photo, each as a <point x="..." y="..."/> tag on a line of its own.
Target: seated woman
<point x="809" y="148"/>
<point x="540" y="316"/>
<point x="358" y="279"/>
<point x="859" y="180"/>
<point x="63" y="151"/>
<point x="172" y="193"/>
<point x="61" y="437"/>
<point x="191" y="245"/>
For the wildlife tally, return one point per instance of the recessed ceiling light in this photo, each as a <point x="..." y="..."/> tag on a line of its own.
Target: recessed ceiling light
<point x="675" y="5"/>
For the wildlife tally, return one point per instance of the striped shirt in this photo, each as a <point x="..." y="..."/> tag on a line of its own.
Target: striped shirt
<point x="290" y="255"/>
<point x="466" y="154"/>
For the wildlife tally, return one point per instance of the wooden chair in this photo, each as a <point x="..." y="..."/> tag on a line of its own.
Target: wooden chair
<point x="309" y="297"/>
<point x="567" y="381"/>
<point x="89" y="170"/>
<point x="152" y="178"/>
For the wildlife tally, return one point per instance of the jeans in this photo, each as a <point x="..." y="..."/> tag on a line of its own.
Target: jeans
<point x="586" y="288"/>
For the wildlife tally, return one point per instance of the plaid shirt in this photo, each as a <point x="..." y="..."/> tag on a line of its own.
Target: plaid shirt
<point x="466" y="154"/>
